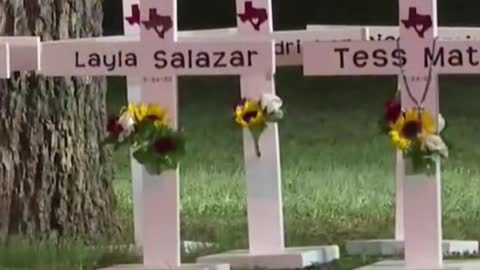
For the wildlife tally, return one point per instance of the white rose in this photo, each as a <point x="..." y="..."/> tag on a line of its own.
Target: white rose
<point x="436" y="144"/>
<point x="441" y="123"/>
<point x="127" y="122"/>
<point x="271" y="103"/>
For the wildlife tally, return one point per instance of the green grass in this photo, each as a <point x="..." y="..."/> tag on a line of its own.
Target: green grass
<point x="337" y="171"/>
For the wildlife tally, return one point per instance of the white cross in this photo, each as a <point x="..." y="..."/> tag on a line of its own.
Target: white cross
<point x="288" y="53"/>
<point x="390" y="247"/>
<point x="159" y="54"/>
<point x="422" y="204"/>
<point x="18" y="54"/>
<point x="4" y="61"/>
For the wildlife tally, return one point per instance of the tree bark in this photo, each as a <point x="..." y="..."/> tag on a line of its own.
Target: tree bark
<point x="55" y="177"/>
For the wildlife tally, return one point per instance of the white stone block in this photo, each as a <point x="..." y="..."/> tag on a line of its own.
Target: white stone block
<point x="291" y="258"/>
<point x="448" y="265"/>
<point x="389" y="247"/>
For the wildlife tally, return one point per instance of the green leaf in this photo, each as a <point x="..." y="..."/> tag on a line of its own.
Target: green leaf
<point x="143" y="154"/>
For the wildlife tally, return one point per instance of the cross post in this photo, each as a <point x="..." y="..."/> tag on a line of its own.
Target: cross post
<point x="4" y="61"/>
<point x="389" y="247"/>
<point x="419" y="57"/>
<point x="158" y="53"/>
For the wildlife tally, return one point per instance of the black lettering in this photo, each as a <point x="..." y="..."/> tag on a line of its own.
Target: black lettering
<point x="360" y="56"/>
<point x="94" y="60"/>
<point x="381" y="56"/>
<point x="190" y="59"/>
<point x="218" y="62"/>
<point x="178" y="60"/>
<point x="471" y="60"/>
<point x="455" y="58"/>
<point x="429" y="57"/>
<point x="342" y="57"/>
<point x="159" y="58"/>
<point x="110" y="62"/>
<point x="250" y="57"/>
<point x="77" y="61"/>
<point x="279" y="49"/>
<point x="288" y="46"/>
<point x="131" y="60"/>
<point x="203" y="60"/>
<point x="399" y="57"/>
<point x="237" y="59"/>
<point x="299" y="46"/>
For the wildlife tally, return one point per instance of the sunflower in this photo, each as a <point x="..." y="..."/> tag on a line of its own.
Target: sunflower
<point x="154" y="113"/>
<point x="414" y="123"/>
<point x="412" y="126"/>
<point x="249" y="114"/>
<point x="401" y="143"/>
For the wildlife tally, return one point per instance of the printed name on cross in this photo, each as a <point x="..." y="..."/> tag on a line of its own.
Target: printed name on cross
<point x="163" y="59"/>
<point x="380" y="57"/>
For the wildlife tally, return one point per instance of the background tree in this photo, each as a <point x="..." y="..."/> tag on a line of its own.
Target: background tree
<point x="54" y="175"/>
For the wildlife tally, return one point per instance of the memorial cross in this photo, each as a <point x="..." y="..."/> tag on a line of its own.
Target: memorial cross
<point x="4" y="61"/>
<point x="24" y="52"/>
<point x="18" y="54"/>
<point x="264" y="193"/>
<point x="288" y="53"/>
<point x="393" y="247"/>
<point x="419" y="57"/>
<point x="158" y="53"/>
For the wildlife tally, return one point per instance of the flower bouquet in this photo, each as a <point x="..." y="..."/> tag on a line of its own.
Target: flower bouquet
<point x="415" y="133"/>
<point x="256" y="114"/>
<point x="145" y="129"/>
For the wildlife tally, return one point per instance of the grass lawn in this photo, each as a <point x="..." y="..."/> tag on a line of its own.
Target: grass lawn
<point x="337" y="169"/>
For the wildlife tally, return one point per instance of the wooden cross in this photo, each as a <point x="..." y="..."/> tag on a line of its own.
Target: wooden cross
<point x="288" y="53"/>
<point x="158" y="53"/>
<point x="422" y="57"/>
<point x="19" y="53"/>
<point x="393" y="247"/>
<point x="4" y="61"/>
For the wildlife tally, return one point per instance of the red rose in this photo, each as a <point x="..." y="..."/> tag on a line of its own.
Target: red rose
<point x="164" y="146"/>
<point x="113" y="127"/>
<point x="393" y="109"/>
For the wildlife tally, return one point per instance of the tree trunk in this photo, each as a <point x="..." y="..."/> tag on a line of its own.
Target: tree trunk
<point x="55" y="178"/>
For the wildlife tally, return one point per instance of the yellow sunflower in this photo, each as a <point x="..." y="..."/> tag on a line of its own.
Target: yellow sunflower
<point x="154" y="113"/>
<point x="411" y="126"/>
<point x="399" y="142"/>
<point x="250" y="115"/>
<point x="414" y="123"/>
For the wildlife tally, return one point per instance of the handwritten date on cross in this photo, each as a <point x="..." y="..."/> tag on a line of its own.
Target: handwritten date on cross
<point x="160" y="24"/>
<point x="256" y="16"/>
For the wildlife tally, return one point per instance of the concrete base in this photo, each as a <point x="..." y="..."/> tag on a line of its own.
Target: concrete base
<point x="448" y="265"/>
<point x="182" y="267"/>
<point x="291" y="258"/>
<point x="387" y="247"/>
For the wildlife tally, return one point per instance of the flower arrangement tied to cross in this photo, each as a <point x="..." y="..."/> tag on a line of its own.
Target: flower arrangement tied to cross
<point x="155" y="145"/>
<point x="415" y="133"/>
<point x="256" y="114"/>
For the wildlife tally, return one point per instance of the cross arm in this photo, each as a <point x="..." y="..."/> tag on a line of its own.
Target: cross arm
<point x="352" y="58"/>
<point x="454" y="57"/>
<point x="70" y="58"/>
